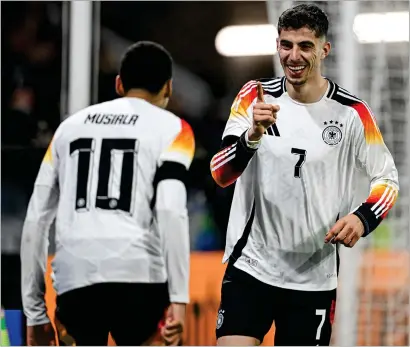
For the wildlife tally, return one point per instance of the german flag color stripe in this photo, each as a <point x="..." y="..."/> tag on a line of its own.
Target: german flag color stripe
<point x="382" y="198"/>
<point x="184" y="143"/>
<point x="371" y="130"/>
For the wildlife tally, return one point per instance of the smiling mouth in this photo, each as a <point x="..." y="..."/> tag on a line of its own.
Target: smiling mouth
<point x="296" y="68"/>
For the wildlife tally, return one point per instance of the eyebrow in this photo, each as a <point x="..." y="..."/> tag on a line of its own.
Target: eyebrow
<point x="305" y="43"/>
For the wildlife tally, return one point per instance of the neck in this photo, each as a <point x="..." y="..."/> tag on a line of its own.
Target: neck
<point x="154" y="99"/>
<point x="309" y="92"/>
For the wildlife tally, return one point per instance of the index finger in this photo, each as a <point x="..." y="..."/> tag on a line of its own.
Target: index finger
<point x="335" y="230"/>
<point x="260" y="92"/>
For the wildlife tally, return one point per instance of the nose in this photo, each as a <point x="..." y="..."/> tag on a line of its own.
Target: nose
<point x="295" y="53"/>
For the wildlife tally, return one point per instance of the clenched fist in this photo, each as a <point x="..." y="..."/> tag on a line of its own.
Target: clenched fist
<point x="264" y="115"/>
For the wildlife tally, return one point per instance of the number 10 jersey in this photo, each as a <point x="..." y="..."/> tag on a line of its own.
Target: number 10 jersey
<point x="103" y="166"/>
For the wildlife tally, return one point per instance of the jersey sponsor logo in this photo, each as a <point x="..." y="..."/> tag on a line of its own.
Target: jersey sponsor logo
<point x="111" y="119"/>
<point x="220" y="319"/>
<point x="332" y="134"/>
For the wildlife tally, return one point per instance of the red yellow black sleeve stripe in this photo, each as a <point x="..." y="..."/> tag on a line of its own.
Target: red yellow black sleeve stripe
<point x="229" y="163"/>
<point x="382" y="198"/>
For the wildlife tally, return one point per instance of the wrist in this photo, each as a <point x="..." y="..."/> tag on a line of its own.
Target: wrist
<point x="252" y="140"/>
<point x="367" y="217"/>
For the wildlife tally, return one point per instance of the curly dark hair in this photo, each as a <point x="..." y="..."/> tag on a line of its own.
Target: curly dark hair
<point x="305" y="15"/>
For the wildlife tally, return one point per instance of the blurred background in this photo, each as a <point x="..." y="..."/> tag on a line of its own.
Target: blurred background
<point x="58" y="57"/>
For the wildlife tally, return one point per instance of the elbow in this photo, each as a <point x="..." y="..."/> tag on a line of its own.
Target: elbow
<point x="223" y="179"/>
<point x="224" y="168"/>
<point x="223" y="184"/>
<point x="220" y="172"/>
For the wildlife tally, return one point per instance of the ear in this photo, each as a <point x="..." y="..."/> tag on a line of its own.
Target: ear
<point x="326" y="50"/>
<point x="168" y="89"/>
<point x="277" y="43"/>
<point x="119" y="88"/>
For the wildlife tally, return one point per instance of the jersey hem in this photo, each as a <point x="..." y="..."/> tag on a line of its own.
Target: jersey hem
<point x="69" y="287"/>
<point x="286" y="286"/>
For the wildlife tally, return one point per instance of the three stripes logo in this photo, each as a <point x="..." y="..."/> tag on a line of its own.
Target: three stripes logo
<point x="272" y="130"/>
<point x="223" y="157"/>
<point x="385" y="202"/>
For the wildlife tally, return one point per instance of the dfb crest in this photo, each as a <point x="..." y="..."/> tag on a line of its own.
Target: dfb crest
<point x="332" y="134"/>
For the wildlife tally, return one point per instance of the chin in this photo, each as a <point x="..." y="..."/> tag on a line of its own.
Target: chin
<point x="296" y="81"/>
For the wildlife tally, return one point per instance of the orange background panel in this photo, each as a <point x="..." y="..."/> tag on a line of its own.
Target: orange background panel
<point x="383" y="274"/>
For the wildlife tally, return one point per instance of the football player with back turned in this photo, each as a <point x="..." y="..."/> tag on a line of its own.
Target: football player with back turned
<point x="114" y="179"/>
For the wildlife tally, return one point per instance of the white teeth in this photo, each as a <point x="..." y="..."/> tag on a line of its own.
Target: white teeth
<point x="296" y="68"/>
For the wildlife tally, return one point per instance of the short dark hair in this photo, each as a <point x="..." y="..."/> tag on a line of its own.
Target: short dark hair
<point x="305" y="15"/>
<point x="145" y="65"/>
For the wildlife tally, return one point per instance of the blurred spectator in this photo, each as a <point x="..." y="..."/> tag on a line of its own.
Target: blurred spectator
<point x="31" y="72"/>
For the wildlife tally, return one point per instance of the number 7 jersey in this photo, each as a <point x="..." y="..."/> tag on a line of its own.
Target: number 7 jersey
<point x="104" y="165"/>
<point x="305" y="175"/>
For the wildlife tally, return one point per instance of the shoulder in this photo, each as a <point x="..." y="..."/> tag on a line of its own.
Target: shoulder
<point x="171" y="123"/>
<point x="274" y="86"/>
<point x="179" y="145"/>
<point x="78" y="116"/>
<point x="71" y="123"/>
<point x="359" y="107"/>
<point x="182" y="129"/>
<point x="170" y="127"/>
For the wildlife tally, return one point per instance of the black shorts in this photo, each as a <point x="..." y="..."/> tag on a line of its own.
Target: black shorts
<point x="131" y="312"/>
<point x="249" y="307"/>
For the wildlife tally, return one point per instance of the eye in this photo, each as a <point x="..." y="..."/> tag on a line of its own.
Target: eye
<point x="306" y="46"/>
<point x="286" y="45"/>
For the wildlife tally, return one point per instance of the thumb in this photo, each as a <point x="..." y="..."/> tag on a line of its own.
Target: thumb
<point x="260" y="92"/>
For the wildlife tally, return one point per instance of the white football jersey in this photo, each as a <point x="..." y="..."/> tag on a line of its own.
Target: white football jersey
<point x="292" y="189"/>
<point x="102" y="166"/>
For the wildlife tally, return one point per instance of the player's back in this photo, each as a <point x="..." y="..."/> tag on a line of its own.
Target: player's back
<point x="108" y="156"/>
